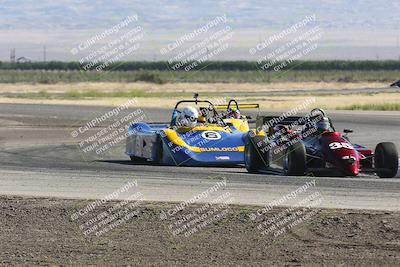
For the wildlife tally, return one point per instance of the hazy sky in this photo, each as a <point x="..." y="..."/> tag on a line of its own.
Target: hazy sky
<point x="350" y="29"/>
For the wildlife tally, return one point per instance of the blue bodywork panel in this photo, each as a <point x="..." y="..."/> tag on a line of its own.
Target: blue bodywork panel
<point x="210" y="146"/>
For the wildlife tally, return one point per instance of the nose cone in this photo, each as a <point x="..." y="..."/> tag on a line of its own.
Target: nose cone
<point x="341" y="153"/>
<point x="353" y="170"/>
<point x="351" y="164"/>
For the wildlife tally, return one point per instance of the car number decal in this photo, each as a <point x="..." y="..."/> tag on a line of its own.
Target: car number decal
<point x="336" y="145"/>
<point x="211" y="135"/>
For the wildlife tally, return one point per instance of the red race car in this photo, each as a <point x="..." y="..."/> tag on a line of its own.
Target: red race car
<point x="311" y="145"/>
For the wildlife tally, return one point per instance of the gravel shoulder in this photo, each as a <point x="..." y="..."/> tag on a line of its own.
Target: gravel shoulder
<point x="41" y="231"/>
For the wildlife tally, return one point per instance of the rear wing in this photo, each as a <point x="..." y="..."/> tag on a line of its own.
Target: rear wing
<point x="238" y="106"/>
<point x="271" y="121"/>
<point x="267" y="123"/>
<point x="241" y="106"/>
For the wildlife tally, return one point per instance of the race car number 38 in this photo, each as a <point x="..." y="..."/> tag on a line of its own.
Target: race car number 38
<point x="336" y="145"/>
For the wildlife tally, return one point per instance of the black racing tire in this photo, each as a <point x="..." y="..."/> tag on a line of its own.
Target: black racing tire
<point x="255" y="158"/>
<point x="296" y="157"/>
<point x="386" y="160"/>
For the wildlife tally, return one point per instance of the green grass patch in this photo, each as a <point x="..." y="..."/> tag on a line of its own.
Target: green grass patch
<point x="42" y="94"/>
<point x="383" y="107"/>
<point x="205" y="76"/>
<point x="151" y="77"/>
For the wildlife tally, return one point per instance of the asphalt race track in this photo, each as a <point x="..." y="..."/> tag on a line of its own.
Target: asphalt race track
<point x="39" y="157"/>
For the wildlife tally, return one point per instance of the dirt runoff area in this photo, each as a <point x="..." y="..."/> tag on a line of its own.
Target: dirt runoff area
<point x="45" y="231"/>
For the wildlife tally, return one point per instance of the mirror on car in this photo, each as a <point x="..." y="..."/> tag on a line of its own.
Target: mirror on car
<point x="348" y="130"/>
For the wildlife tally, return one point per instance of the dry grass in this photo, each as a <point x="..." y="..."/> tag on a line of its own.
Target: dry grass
<point x="267" y="103"/>
<point x="166" y="95"/>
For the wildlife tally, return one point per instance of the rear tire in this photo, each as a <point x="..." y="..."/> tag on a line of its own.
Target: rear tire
<point x="295" y="161"/>
<point x="386" y="160"/>
<point x="255" y="158"/>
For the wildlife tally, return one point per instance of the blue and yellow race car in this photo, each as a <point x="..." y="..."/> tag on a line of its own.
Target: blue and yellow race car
<point x="211" y="138"/>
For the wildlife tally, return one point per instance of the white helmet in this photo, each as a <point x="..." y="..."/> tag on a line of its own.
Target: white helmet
<point x="323" y="124"/>
<point x="188" y="117"/>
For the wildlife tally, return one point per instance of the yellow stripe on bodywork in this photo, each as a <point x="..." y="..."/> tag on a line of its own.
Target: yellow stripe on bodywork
<point x="239" y="124"/>
<point x="205" y="128"/>
<point x="173" y="137"/>
<point x="258" y="133"/>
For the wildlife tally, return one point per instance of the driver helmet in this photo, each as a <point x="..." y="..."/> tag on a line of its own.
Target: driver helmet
<point x="323" y="125"/>
<point x="188" y="117"/>
<point x="233" y="113"/>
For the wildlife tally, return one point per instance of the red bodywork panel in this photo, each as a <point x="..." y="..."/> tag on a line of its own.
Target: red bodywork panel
<point x="339" y="152"/>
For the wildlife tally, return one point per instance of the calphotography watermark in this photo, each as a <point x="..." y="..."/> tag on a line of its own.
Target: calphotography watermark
<point x="199" y="212"/>
<point x="106" y="214"/>
<point x="208" y="134"/>
<point x="301" y="201"/>
<point x="192" y="49"/>
<point x="108" y="130"/>
<point x="288" y="132"/>
<point x="291" y="112"/>
<point x="278" y="51"/>
<point x="101" y="36"/>
<point x="110" y="46"/>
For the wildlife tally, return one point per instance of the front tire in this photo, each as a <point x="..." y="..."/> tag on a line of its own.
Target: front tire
<point x="295" y="160"/>
<point x="254" y="157"/>
<point x="386" y="160"/>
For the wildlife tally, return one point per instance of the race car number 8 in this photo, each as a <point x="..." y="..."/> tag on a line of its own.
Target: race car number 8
<point x="211" y="135"/>
<point x="336" y="145"/>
